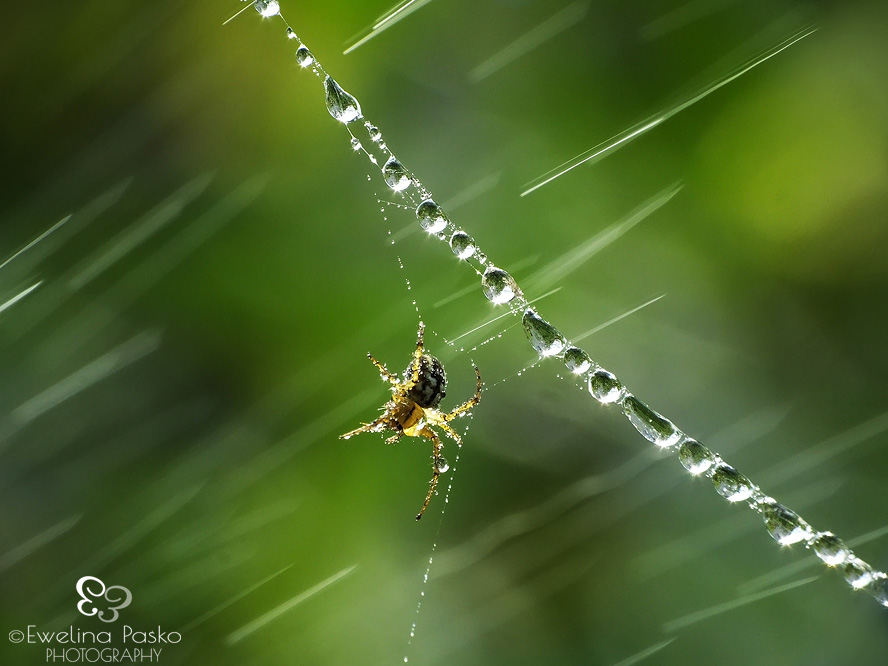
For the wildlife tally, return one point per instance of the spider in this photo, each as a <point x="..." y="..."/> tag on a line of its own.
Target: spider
<point x="413" y="409"/>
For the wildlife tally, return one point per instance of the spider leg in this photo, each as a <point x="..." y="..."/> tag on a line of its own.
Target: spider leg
<point x="383" y="371"/>
<point x="468" y="404"/>
<point x="450" y="432"/>
<point x="394" y="439"/>
<point x="417" y="355"/>
<point x="382" y="423"/>
<point x="419" y="344"/>
<point x="436" y="459"/>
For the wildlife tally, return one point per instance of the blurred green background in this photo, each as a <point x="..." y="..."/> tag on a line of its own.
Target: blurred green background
<point x="173" y="391"/>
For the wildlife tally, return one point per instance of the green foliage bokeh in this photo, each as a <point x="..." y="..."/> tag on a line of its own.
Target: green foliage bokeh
<point x="196" y="470"/>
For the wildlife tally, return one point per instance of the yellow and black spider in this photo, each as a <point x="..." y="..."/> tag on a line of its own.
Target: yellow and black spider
<point x="413" y="409"/>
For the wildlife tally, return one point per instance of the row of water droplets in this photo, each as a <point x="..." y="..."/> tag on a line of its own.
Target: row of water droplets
<point x="498" y="286"/>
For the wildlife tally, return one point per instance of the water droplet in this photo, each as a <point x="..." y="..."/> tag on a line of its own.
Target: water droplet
<point x="462" y="244"/>
<point x="605" y="387"/>
<point x="878" y="587"/>
<point x="442" y="465"/>
<point x="267" y="8"/>
<point x="858" y="573"/>
<point x="576" y="360"/>
<point x="544" y="338"/>
<point x="395" y="175"/>
<point x="304" y="56"/>
<point x="498" y="286"/>
<point x="291" y="34"/>
<point x="653" y="426"/>
<point x="731" y="484"/>
<point x="830" y="548"/>
<point x="340" y="104"/>
<point x="784" y="525"/>
<point x="356" y="145"/>
<point x="373" y="131"/>
<point x="431" y="216"/>
<point x="695" y="457"/>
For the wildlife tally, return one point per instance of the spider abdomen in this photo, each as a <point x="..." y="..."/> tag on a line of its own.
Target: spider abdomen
<point x="429" y="389"/>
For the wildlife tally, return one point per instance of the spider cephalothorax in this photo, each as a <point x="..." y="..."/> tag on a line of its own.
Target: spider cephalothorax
<point x="413" y="409"/>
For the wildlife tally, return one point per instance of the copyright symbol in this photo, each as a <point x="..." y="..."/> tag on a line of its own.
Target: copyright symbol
<point x="16" y="636"/>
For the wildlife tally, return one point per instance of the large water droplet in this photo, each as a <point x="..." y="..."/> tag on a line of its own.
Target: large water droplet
<point x="544" y="338"/>
<point x="830" y="548"/>
<point x="605" y="387"/>
<point x="653" y="426"/>
<point x="784" y="525"/>
<point x="267" y="8"/>
<point x="355" y="143"/>
<point x="395" y="175"/>
<point x="304" y="57"/>
<point x="462" y="244"/>
<point x="731" y="484"/>
<point x="498" y="286"/>
<point x="442" y="465"/>
<point x="576" y="360"/>
<point x="695" y="457"/>
<point x="431" y="216"/>
<point x="878" y="587"/>
<point x="340" y="104"/>
<point x="858" y="573"/>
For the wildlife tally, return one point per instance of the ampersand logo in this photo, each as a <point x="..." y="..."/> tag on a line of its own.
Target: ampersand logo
<point x="91" y="589"/>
